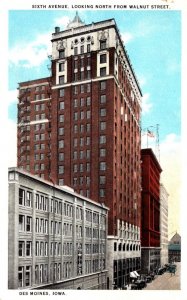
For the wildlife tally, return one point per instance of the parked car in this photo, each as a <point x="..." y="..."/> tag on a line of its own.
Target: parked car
<point x="141" y="284"/>
<point x="161" y="270"/>
<point x="134" y="287"/>
<point x="148" y="278"/>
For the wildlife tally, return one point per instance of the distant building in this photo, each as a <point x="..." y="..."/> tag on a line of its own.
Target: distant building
<point x="150" y="225"/>
<point x="57" y="238"/>
<point x="174" y="248"/>
<point x="81" y="127"/>
<point x="163" y="225"/>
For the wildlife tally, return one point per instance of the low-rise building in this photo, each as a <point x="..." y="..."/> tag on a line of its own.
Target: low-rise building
<point x="56" y="238"/>
<point x="174" y="248"/>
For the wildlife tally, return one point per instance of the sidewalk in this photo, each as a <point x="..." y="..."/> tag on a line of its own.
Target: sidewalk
<point x="166" y="281"/>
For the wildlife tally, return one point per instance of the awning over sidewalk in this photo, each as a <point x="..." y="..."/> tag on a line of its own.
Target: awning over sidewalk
<point x="136" y="273"/>
<point x="132" y="275"/>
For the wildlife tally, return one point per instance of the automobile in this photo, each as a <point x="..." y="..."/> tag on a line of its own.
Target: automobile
<point x="152" y="275"/>
<point x="134" y="287"/>
<point x="161" y="270"/>
<point x="140" y="284"/>
<point x="148" y="278"/>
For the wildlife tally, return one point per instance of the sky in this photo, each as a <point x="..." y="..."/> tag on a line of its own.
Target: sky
<point x="153" y="42"/>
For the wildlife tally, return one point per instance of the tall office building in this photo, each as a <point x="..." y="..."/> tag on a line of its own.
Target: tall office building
<point x="81" y="128"/>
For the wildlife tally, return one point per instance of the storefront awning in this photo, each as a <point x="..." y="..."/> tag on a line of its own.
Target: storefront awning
<point x="136" y="273"/>
<point x="132" y="275"/>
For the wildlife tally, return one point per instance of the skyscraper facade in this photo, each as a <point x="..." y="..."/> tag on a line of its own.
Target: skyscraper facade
<point x="81" y="128"/>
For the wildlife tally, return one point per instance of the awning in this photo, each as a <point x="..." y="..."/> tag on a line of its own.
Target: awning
<point x="132" y="275"/>
<point x="136" y="273"/>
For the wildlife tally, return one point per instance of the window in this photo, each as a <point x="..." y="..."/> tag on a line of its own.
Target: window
<point x="61" y="156"/>
<point x="75" y="50"/>
<point x="88" y="47"/>
<point x="102" y="125"/>
<point x="102" y="179"/>
<point x="88" y="87"/>
<point x="61" y="169"/>
<point x="62" y="53"/>
<point x="103" y="71"/>
<point x="61" y="144"/>
<point x="61" y="130"/>
<point x="87" y="140"/>
<point x="75" y="101"/>
<point x="82" y="88"/>
<point x="75" y="168"/>
<point x="28" y="224"/>
<point x="28" y="276"/>
<point x="81" y="168"/>
<point x="29" y="199"/>
<point x="82" y="128"/>
<point x="102" y="58"/>
<point x="61" y="118"/>
<point x="88" y="126"/>
<point x="61" y="105"/>
<point x="88" y="74"/>
<point x="61" y="92"/>
<point x="81" y="154"/>
<point x="82" y="101"/>
<point x="28" y="248"/>
<point x="81" y="141"/>
<point x="76" y="116"/>
<point x="21" y="223"/>
<point x="42" y="167"/>
<point x="61" y="79"/>
<point x="61" y="67"/>
<point x="75" y="155"/>
<point x="103" y="99"/>
<point x="21" y="197"/>
<point x="103" y="44"/>
<point x="88" y="101"/>
<point x="103" y="112"/>
<point x="21" y="249"/>
<point x="82" y="115"/>
<point x="102" y="166"/>
<point x="88" y="114"/>
<point x="75" y="90"/>
<point x="88" y="167"/>
<point x="75" y="142"/>
<point x="102" y="139"/>
<point x="87" y="153"/>
<point x="102" y="85"/>
<point x="82" y="62"/>
<point x="20" y="276"/>
<point x="82" y="49"/>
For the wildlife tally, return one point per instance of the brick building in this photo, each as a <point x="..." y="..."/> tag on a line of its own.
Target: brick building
<point x="57" y="238"/>
<point x="150" y="225"/>
<point x="81" y="128"/>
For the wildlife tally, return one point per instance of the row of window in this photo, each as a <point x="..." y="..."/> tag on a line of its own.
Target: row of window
<point x="82" y="49"/>
<point x="126" y="247"/>
<point x="41" y="226"/>
<point x="41" y="248"/>
<point x="56" y="206"/>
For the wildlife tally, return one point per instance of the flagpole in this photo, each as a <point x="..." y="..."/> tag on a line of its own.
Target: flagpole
<point x="147" y="137"/>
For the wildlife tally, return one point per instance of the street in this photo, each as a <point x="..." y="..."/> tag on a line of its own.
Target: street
<point x="166" y="281"/>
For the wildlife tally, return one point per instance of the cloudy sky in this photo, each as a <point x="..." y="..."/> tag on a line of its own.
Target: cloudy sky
<point x="153" y="42"/>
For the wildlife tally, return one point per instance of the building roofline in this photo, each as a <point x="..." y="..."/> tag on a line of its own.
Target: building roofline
<point x="149" y="151"/>
<point x="113" y="24"/>
<point x="65" y="189"/>
<point x="34" y="80"/>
